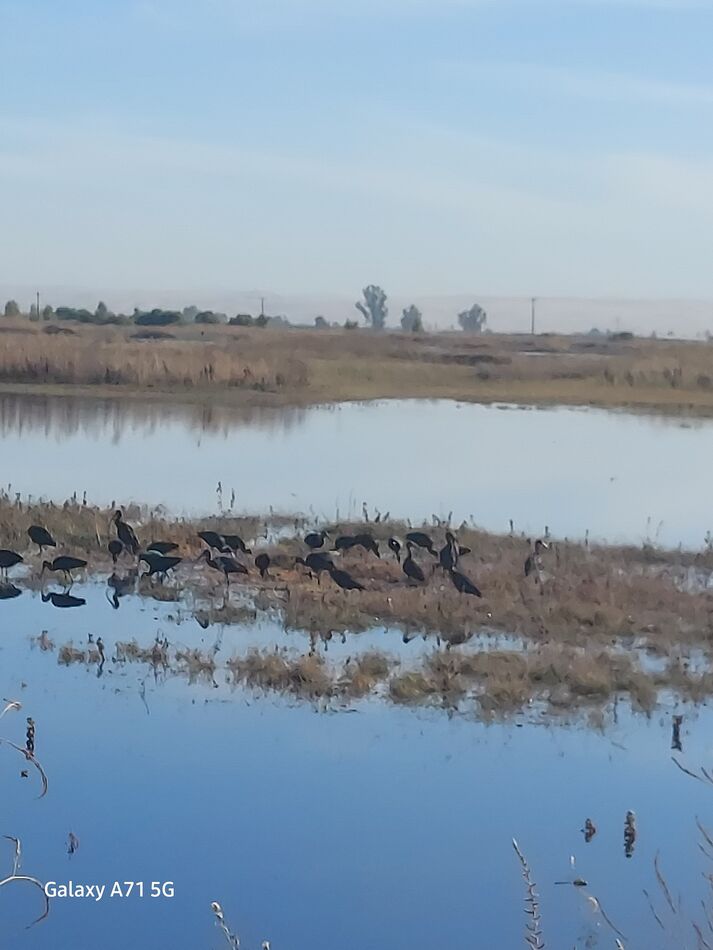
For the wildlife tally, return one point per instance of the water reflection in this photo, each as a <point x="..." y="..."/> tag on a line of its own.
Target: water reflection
<point x="581" y="473"/>
<point x="381" y="828"/>
<point x="113" y="419"/>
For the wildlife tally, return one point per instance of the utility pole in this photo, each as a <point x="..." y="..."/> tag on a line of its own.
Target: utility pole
<point x="38" y="305"/>
<point x="262" y="306"/>
<point x="532" y="315"/>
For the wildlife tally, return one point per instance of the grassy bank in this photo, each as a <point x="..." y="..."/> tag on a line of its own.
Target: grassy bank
<point x="238" y="366"/>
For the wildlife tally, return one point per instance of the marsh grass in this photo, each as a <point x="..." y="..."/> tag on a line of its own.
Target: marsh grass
<point x="300" y="366"/>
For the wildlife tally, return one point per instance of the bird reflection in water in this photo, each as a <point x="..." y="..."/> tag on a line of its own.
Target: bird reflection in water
<point x="119" y="585"/>
<point x="62" y="600"/>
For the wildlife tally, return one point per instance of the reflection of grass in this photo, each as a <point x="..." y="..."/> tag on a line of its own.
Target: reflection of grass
<point x="492" y="683"/>
<point x="255" y="367"/>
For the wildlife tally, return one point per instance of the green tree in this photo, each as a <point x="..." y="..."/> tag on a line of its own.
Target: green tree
<point x="412" y="319"/>
<point x="473" y="320"/>
<point x="47" y="312"/>
<point x="12" y="309"/>
<point x="373" y="308"/>
<point x="102" y="312"/>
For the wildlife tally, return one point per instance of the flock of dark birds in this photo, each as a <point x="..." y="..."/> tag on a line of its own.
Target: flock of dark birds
<point x="223" y="553"/>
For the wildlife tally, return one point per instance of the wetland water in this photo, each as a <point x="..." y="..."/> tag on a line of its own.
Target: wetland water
<point x="338" y="825"/>
<point x="321" y="826"/>
<point x="622" y="477"/>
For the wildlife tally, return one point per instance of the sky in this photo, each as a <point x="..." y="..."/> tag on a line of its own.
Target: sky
<point x="435" y="147"/>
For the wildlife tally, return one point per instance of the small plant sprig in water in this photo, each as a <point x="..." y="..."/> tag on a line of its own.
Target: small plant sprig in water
<point x="533" y="928"/>
<point x="233" y="939"/>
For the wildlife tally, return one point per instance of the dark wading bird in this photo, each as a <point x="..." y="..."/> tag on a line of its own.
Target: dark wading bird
<point x="410" y="568"/>
<point x="116" y="549"/>
<point x="448" y="555"/>
<point x="228" y="565"/>
<point x="344" y="580"/>
<point x="162" y="547"/>
<point x="158" y="563"/>
<point x="125" y="533"/>
<point x="213" y="540"/>
<point x="235" y="543"/>
<point x="347" y="541"/>
<point x="317" y="562"/>
<point x="463" y="584"/>
<point x="64" y="564"/>
<point x="62" y="600"/>
<point x="395" y="545"/>
<point x="262" y="563"/>
<point x="41" y="537"/>
<point x="316" y="539"/>
<point x="9" y="559"/>
<point x="422" y="540"/>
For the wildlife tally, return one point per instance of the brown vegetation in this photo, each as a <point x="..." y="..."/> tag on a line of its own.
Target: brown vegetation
<point x="248" y="366"/>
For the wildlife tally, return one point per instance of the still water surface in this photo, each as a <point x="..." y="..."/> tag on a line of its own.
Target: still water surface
<point x="618" y="476"/>
<point x="322" y="828"/>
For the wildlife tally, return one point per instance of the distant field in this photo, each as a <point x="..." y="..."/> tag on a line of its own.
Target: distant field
<point x="252" y="366"/>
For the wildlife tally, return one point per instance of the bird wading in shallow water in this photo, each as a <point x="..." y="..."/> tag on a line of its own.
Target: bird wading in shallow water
<point x="224" y="563"/>
<point x="64" y="564"/>
<point x="9" y="559"/>
<point x="125" y="533"/>
<point x="41" y="537"/>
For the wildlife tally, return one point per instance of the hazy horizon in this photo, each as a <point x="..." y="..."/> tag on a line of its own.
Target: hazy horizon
<point x="557" y="148"/>
<point x="684" y="318"/>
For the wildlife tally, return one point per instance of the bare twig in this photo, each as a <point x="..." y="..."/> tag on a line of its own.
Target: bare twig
<point x="533" y="928"/>
<point x="232" y="939"/>
<point x="664" y="885"/>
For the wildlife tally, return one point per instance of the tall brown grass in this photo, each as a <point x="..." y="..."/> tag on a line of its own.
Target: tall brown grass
<point x="303" y="365"/>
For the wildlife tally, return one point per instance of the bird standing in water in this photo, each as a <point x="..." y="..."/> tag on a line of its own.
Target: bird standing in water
<point x="115" y="548"/>
<point x="64" y="564"/>
<point x="9" y="559"/>
<point x="125" y="533"/>
<point x="41" y="537"/>
<point x="224" y="563"/>
<point x="158" y="563"/>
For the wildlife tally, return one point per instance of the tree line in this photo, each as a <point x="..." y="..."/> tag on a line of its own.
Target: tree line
<point x="373" y="307"/>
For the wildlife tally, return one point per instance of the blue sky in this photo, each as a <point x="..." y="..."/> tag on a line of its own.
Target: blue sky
<point x="434" y="146"/>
